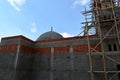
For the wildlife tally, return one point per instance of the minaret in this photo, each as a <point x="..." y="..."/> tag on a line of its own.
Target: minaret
<point x="102" y="4"/>
<point x="106" y="13"/>
<point x="107" y="21"/>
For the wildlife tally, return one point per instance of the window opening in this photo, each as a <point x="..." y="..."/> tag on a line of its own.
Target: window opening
<point x="114" y="47"/>
<point x="109" y="47"/>
<point x="118" y="68"/>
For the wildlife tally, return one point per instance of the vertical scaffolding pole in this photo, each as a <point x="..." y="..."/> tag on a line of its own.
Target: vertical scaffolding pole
<point x="115" y="21"/>
<point x="98" y="10"/>
<point x="89" y="53"/>
<point x="100" y="35"/>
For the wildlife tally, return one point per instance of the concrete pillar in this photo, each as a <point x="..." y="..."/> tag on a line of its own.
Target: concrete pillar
<point x="17" y="56"/>
<point x="71" y="58"/>
<point x="51" y="63"/>
<point x="71" y="63"/>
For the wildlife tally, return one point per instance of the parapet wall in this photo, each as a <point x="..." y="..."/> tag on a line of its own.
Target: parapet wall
<point x="78" y="43"/>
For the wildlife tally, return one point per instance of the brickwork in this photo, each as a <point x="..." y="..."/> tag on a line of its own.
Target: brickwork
<point x="80" y="48"/>
<point x="42" y="50"/>
<point x="27" y="49"/>
<point x="8" y="48"/>
<point x="62" y="49"/>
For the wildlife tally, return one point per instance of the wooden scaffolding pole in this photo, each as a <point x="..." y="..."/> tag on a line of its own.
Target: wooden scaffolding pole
<point x="115" y="21"/>
<point x="89" y="52"/>
<point x="100" y="35"/>
<point x="96" y="11"/>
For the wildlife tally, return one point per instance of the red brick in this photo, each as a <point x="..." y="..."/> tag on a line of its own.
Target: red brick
<point x="80" y="48"/>
<point x="84" y="48"/>
<point x="43" y="50"/>
<point x="62" y="49"/>
<point x="27" y="49"/>
<point x="8" y="48"/>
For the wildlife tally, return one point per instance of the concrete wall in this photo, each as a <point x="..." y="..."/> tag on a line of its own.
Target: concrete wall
<point x="41" y="67"/>
<point x="7" y="60"/>
<point x="21" y="59"/>
<point x="15" y="58"/>
<point x="7" y="70"/>
<point x="98" y="65"/>
<point x="69" y="61"/>
<point x="60" y="65"/>
<point x="61" y="60"/>
<point x="23" y="70"/>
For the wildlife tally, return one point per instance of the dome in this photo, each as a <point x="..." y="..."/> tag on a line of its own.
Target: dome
<point x="50" y="35"/>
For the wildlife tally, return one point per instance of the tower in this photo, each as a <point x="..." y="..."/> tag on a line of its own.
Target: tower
<point x="107" y="22"/>
<point x="104" y="17"/>
<point x="106" y="14"/>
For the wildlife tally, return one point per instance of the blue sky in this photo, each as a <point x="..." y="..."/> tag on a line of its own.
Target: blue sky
<point x="31" y="18"/>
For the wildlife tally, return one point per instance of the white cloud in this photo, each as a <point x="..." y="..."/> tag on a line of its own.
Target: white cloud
<point x="80" y="2"/>
<point x="65" y="34"/>
<point x="33" y="27"/>
<point x="17" y="3"/>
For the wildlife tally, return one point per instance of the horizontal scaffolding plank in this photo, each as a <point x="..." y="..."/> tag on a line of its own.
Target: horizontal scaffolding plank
<point x="106" y="71"/>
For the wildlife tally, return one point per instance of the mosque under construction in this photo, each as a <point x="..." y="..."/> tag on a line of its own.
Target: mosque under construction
<point x="52" y="57"/>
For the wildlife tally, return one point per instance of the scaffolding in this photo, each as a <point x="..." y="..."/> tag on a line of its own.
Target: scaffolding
<point x="104" y="17"/>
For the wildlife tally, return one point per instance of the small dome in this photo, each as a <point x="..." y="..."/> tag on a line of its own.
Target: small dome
<point x="50" y="35"/>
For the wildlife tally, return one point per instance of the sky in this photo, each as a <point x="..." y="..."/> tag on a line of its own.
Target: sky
<point x="31" y="18"/>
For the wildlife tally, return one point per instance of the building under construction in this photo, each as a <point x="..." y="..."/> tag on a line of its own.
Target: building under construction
<point x="93" y="56"/>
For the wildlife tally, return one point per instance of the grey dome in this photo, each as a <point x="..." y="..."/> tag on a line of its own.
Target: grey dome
<point x="50" y="35"/>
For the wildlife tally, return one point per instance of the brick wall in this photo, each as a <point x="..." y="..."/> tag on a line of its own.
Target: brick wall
<point x="7" y="48"/>
<point x="61" y="49"/>
<point x="42" y="50"/>
<point x="27" y="49"/>
<point x="84" y="48"/>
